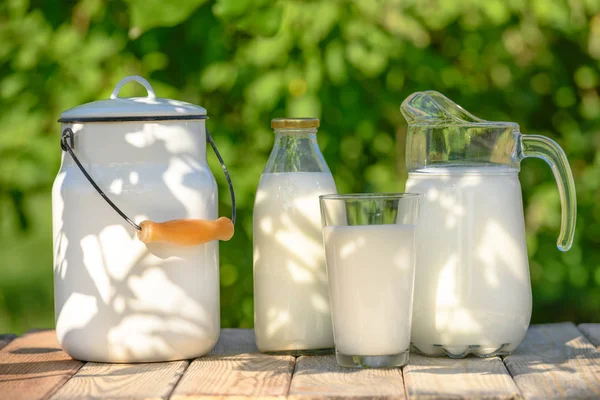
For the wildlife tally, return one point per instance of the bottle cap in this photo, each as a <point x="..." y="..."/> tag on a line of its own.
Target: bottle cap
<point x="291" y="123"/>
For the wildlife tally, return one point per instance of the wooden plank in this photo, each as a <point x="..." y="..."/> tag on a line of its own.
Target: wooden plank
<point x="592" y="332"/>
<point x="145" y="381"/>
<point x="242" y="375"/>
<point x="123" y="381"/>
<point x="6" y="339"/>
<point x="33" y="367"/>
<point x="556" y="361"/>
<point x="234" y="367"/>
<point x="467" y="378"/>
<point x="322" y="377"/>
<point x="235" y="341"/>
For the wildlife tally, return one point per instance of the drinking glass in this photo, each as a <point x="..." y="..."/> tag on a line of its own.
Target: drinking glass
<point x="370" y="253"/>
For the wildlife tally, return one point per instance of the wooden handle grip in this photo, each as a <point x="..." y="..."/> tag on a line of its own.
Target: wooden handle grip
<point x="186" y="232"/>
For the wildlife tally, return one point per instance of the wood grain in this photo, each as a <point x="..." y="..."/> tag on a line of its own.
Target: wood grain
<point x="467" y="378"/>
<point x="242" y="375"/>
<point x="6" y="339"/>
<point x="235" y="341"/>
<point x="186" y="232"/>
<point x="556" y="361"/>
<point x="592" y="332"/>
<point x="123" y="381"/>
<point x="322" y="377"/>
<point x="33" y="367"/>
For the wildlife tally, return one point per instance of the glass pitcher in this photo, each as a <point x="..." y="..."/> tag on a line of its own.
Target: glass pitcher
<point x="472" y="287"/>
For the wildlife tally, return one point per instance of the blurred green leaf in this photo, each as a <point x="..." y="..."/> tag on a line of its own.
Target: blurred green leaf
<point x="147" y="14"/>
<point x="231" y="9"/>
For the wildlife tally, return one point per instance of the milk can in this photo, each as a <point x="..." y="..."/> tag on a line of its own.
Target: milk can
<point x="128" y="289"/>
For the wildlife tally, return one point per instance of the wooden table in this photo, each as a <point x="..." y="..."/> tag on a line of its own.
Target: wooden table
<point x="555" y="361"/>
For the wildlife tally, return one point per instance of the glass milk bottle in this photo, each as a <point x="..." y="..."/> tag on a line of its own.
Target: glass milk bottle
<point x="291" y="300"/>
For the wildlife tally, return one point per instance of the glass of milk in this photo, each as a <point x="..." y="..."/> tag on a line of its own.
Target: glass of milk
<point x="370" y="252"/>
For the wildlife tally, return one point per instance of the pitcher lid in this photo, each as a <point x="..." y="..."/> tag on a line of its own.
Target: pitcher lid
<point x="149" y="108"/>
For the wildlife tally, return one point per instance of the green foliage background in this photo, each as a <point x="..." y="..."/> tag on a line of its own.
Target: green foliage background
<point x="351" y="63"/>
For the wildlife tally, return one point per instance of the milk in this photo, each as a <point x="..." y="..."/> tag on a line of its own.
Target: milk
<point x="291" y="300"/>
<point x="472" y="284"/>
<point x="371" y="274"/>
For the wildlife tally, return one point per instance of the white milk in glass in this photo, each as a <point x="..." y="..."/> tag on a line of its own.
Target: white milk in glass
<point x="472" y="286"/>
<point x="291" y="300"/>
<point x="371" y="274"/>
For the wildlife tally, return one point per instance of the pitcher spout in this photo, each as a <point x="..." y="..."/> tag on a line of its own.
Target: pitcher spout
<point x="431" y="108"/>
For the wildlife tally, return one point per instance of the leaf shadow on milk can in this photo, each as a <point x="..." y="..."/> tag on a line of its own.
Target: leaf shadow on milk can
<point x="116" y="299"/>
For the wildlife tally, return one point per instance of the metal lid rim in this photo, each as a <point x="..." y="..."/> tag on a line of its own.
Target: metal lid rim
<point x="134" y="118"/>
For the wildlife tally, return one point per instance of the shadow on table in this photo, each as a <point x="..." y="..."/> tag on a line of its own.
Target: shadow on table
<point x="550" y="348"/>
<point x="35" y="350"/>
<point x="126" y="369"/>
<point x="36" y="361"/>
<point x="37" y="369"/>
<point x="280" y="364"/>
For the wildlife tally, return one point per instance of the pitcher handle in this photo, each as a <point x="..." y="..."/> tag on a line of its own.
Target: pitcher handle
<point x="548" y="150"/>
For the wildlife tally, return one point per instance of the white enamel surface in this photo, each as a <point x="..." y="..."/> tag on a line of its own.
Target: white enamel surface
<point x="149" y="106"/>
<point x="472" y="283"/>
<point x="291" y="299"/>
<point x="116" y="299"/>
<point x="371" y="274"/>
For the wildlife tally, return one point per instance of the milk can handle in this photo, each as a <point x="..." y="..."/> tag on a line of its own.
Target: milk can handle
<point x="209" y="139"/>
<point x="136" y="78"/>
<point x="549" y="151"/>
<point x="67" y="143"/>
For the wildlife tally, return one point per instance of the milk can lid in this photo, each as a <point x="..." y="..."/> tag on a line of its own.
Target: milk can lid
<point x="149" y="108"/>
